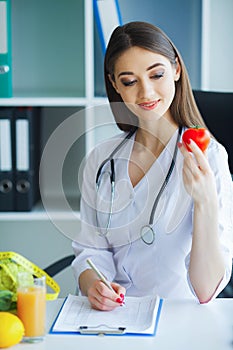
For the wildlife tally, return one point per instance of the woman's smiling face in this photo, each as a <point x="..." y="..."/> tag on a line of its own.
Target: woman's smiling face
<point x="146" y="82"/>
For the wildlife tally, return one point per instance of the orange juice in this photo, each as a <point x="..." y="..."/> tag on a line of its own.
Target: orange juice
<point x="31" y="309"/>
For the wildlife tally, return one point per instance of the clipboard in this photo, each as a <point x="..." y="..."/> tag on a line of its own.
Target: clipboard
<point x="139" y="317"/>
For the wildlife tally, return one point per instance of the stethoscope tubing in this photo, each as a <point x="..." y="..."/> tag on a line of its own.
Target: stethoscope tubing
<point x="110" y="159"/>
<point x="170" y="170"/>
<point x="146" y="228"/>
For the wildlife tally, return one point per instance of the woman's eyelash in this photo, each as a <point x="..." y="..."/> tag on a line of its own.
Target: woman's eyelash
<point x="158" y="75"/>
<point x="131" y="82"/>
<point x="128" y="83"/>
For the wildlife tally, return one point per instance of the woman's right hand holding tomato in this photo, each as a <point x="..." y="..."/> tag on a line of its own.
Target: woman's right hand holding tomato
<point x="206" y="265"/>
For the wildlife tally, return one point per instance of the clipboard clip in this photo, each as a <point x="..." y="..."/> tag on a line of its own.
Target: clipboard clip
<point x="101" y="329"/>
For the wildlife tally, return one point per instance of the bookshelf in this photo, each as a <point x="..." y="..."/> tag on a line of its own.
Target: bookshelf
<point x="53" y="68"/>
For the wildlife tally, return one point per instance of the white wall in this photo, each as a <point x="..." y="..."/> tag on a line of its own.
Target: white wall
<point x="41" y="243"/>
<point x="217" y="45"/>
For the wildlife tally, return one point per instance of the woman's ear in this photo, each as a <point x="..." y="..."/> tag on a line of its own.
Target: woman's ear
<point x="112" y="80"/>
<point x="177" y="70"/>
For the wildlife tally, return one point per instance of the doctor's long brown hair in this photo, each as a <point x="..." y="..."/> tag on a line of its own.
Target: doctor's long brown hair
<point x="147" y="36"/>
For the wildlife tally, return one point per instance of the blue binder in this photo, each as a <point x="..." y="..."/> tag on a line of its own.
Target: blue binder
<point x="5" y="49"/>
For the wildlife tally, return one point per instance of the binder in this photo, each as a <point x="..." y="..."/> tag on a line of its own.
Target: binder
<point x="108" y="17"/>
<point x="6" y="160"/>
<point x="5" y="49"/>
<point x="27" y="157"/>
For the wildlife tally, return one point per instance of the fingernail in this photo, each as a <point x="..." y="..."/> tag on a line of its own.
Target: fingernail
<point x="122" y="296"/>
<point x="188" y="142"/>
<point x="119" y="300"/>
<point x="179" y="144"/>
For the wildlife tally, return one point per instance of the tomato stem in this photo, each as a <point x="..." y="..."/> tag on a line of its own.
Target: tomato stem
<point x="196" y="126"/>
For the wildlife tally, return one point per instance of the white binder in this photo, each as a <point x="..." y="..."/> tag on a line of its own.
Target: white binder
<point x="6" y="160"/>
<point x="108" y="17"/>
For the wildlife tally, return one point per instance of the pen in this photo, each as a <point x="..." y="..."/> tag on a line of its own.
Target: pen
<point x="100" y="275"/>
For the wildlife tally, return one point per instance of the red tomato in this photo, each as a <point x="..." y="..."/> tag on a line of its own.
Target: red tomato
<point x="199" y="135"/>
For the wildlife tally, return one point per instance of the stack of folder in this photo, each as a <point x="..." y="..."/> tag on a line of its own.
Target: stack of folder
<point x="19" y="158"/>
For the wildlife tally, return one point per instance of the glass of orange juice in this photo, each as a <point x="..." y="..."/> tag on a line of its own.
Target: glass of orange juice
<point x="31" y="306"/>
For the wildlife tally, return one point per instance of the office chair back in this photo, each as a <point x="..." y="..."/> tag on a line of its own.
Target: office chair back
<point x="217" y="110"/>
<point x="59" y="265"/>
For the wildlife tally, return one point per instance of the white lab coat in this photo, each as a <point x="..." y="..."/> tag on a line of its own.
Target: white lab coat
<point x="162" y="267"/>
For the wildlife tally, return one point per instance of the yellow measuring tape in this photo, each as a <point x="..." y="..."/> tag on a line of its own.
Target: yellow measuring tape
<point x="34" y="270"/>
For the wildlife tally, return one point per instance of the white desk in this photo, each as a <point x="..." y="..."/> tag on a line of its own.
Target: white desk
<point x="183" y="325"/>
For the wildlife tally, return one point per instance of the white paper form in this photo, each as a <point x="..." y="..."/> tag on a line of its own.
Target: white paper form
<point x="138" y="315"/>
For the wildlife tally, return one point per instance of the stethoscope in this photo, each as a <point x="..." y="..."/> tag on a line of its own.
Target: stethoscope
<point x="147" y="232"/>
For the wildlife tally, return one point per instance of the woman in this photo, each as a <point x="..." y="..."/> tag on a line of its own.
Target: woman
<point x="186" y="198"/>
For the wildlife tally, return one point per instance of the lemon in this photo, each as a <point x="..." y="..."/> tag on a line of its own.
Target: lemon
<point x="11" y="329"/>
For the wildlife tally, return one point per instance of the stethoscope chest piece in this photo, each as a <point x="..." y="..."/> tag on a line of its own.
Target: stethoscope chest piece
<point x="147" y="234"/>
